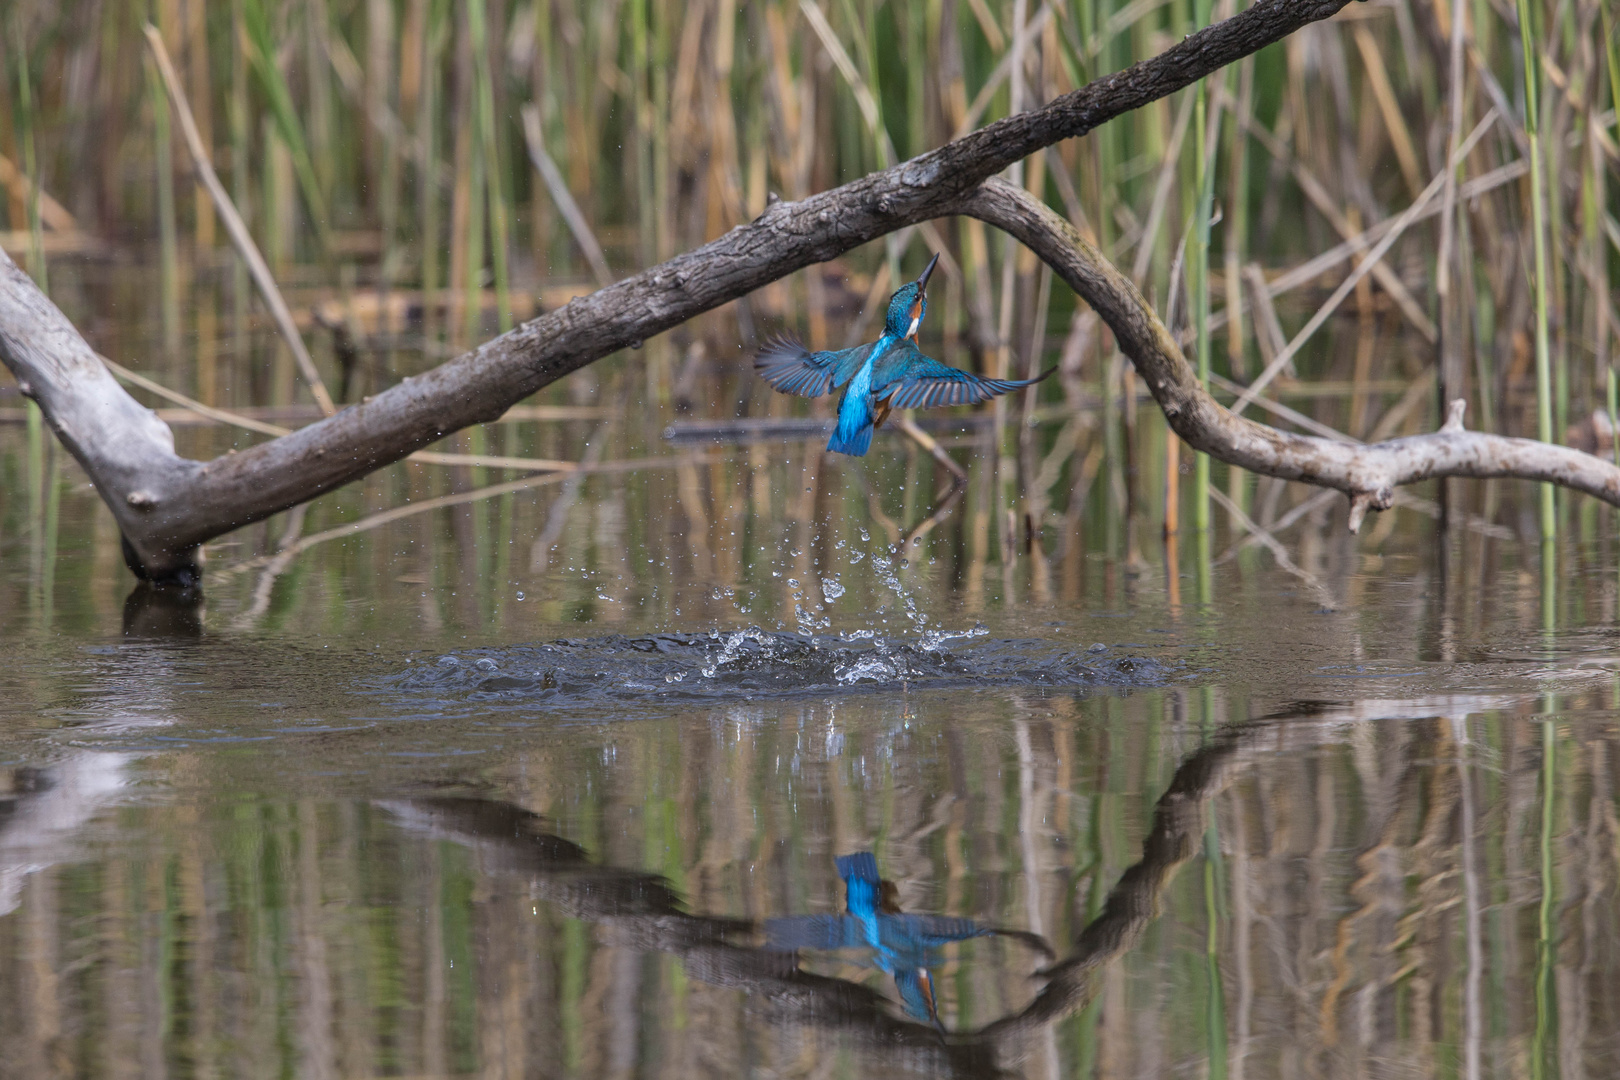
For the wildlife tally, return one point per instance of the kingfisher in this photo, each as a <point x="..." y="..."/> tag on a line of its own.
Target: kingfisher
<point x="903" y="945"/>
<point x="890" y="373"/>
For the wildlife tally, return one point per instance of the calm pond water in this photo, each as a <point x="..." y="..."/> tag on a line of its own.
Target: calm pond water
<point x="565" y="782"/>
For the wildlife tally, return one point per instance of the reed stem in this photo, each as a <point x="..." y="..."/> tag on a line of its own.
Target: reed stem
<point x="262" y="56"/>
<point x="499" y="212"/>
<point x="1538" y="226"/>
<point x="168" y="232"/>
<point x="26" y="122"/>
<point x="1205" y="139"/>
<point x="237" y="112"/>
<point x="429" y="227"/>
<point x="35" y="418"/>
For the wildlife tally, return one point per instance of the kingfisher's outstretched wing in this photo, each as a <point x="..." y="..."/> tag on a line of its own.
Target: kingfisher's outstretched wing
<point x="906" y="379"/>
<point x="793" y="369"/>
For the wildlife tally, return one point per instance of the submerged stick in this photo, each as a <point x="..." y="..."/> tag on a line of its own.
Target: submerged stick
<point x="236" y="228"/>
<point x="397" y="513"/>
<point x="1273" y="545"/>
<point x="917" y="435"/>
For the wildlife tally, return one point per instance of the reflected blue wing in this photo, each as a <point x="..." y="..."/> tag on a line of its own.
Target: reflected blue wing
<point x="861" y="866"/>
<point x="814" y="932"/>
<point x="927" y="931"/>
<point x="793" y="369"/>
<point x="907" y="379"/>
<point x="918" y="936"/>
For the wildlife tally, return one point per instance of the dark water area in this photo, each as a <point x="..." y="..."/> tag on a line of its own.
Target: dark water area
<point x="565" y="782"/>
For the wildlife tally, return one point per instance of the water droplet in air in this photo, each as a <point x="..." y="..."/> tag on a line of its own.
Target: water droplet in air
<point x="831" y="589"/>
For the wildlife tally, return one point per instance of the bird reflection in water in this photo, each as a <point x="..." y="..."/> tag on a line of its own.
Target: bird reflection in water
<point x="902" y="944"/>
<point x="639" y="911"/>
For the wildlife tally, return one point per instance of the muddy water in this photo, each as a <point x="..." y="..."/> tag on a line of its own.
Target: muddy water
<point x="558" y="783"/>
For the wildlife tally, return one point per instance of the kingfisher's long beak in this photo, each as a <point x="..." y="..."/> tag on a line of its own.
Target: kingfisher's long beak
<point x="922" y="279"/>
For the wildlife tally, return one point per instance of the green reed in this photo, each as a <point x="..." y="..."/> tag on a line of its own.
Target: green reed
<point x="237" y="113"/>
<point x="26" y="121"/>
<point x="168" y="228"/>
<point x="37" y="451"/>
<point x="429" y="240"/>
<point x="499" y="210"/>
<point x="1206" y="137"/>
<point x="1538" y="226"/>
<point x="261" y="50"/>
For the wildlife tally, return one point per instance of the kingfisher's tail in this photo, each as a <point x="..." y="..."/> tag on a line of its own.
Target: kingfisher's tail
<point x="861" y="866"/>
<point x="854" y="443"/>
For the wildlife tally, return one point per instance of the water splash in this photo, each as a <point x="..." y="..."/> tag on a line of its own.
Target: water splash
<point x="755" y="663"/>
<point x="887" y="567"/>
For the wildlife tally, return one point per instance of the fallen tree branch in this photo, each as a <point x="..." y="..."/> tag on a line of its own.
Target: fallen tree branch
<point x="166" y="505"/>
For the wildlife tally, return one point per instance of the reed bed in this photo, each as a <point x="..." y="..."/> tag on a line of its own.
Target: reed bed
<point x="436" y="169"/>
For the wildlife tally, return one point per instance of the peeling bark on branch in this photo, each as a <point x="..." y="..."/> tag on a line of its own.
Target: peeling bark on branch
<point x="126" y="450"/>
<point x="167" y="505"/>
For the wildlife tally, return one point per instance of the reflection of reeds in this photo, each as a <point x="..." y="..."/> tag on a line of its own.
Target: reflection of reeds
<point x="1544" y="1039"/>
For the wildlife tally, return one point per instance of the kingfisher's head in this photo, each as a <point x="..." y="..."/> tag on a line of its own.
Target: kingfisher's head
<point x="908" y="305"/>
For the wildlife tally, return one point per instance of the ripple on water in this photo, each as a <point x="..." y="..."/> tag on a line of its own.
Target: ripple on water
<point x="757" y="663"/>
